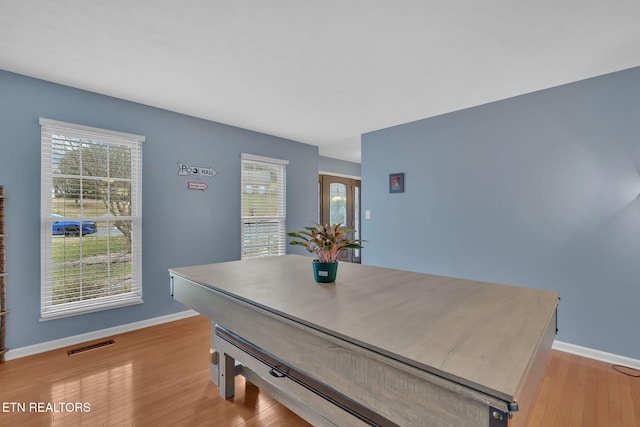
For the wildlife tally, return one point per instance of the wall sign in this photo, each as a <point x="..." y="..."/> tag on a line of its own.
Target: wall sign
<point x="197" y="186"/>
<point x="185" y="169"/>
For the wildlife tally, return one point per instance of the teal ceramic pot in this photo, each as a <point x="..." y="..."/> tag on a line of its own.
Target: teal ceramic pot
<point x="325" y="272"/>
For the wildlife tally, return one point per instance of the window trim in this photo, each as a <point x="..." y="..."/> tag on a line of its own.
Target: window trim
<point x="263" y="159"/>
<point x="49" y="311"/>
<point x="281" y="220"/>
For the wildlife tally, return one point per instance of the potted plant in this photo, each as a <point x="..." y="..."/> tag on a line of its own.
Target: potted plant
<point x="326" y="242"/>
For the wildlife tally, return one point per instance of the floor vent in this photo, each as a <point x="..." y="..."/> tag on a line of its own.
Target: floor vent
<point x="90" y="347"/>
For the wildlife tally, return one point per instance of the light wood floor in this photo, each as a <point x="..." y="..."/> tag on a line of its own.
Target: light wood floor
<point x="159" y="376"/>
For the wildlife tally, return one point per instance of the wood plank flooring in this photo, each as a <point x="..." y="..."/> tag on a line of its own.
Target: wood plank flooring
<point x="159" y="376"/>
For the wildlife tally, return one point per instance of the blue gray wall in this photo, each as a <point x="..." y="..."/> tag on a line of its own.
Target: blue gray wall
<point x="539" y="190"/>
<point x="339" y="167"/>
<point x="180" y="227"/>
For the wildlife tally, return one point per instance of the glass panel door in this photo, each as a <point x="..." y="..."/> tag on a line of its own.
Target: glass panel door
<point x="340" y="204"/>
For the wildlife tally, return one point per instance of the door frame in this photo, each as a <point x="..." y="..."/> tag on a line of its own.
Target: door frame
<point x="324" y="182"/>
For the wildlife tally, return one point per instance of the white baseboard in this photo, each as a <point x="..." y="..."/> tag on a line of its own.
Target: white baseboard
<point x="613" y="359"/>
<point x="90" y="336"/>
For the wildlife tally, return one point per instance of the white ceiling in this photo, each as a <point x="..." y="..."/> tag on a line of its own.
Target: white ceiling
<point x="320" y="72"/>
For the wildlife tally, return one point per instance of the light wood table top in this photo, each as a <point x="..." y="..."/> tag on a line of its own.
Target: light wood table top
<point x="482" y="335"/>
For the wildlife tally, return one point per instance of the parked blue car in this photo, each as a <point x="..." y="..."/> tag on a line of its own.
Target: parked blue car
<point x="72" y="228"/>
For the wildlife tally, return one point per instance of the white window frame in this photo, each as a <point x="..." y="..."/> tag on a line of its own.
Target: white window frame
<point x="50" y="128"/>
<point x="248" y="251"/>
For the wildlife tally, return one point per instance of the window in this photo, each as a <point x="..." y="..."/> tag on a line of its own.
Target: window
<point x="263" y="206"/>
<point x="90" y="219"/>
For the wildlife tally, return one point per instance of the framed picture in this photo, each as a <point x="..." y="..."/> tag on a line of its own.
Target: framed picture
<point x="396" y="183"/>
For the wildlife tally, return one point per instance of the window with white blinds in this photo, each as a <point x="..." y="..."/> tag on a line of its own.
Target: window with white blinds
<point x="91" y="203"/>
<point x="263" y="206"/>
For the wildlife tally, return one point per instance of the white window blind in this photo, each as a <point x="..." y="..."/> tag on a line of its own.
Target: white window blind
<point x="91" y="183"/>
<point x="263" y="207"/>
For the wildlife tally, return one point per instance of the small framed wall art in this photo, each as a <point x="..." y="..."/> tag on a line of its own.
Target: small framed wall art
<point x="396" y="183"/>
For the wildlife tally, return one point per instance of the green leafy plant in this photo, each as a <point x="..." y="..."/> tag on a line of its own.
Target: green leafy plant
<point x="325" y="241"/>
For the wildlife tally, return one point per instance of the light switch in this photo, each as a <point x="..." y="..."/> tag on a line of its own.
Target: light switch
<point x="367" y="214"/>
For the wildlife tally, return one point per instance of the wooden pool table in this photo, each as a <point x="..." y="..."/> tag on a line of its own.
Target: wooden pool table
<point x="377" y="347"/>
